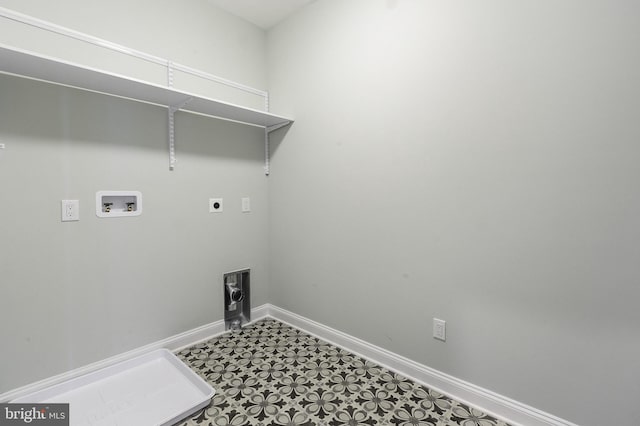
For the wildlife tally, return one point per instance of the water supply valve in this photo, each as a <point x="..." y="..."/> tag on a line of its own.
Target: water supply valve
<point x="233" y="296"/>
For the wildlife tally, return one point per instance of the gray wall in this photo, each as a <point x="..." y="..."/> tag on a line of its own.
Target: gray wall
<point x="475" y="162"/>
<point x="78" y="292"/>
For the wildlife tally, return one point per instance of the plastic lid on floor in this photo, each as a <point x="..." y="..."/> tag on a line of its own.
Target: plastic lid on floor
<point x="153" y="389"/>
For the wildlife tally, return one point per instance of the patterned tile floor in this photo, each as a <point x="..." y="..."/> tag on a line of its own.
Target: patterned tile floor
<point x="272" y="374"/>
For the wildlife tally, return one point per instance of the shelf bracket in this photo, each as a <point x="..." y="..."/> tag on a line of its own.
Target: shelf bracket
<point x="267" y="147"/>
<point x="171" y="110"/>
<point x="267" y="152"/>
<point x="277" y="126"/>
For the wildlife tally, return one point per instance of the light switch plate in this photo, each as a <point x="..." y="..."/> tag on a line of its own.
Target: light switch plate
<point x="246" y="205"/>
<point x="439" y="329"/>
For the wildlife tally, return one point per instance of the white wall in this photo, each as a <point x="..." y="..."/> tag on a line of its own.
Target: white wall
<point x="79" y="292"/>
<point x="475" y="162"/>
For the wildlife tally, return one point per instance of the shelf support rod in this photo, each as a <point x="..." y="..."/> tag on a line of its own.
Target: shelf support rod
<point x="267" y="152"/>
<point x="170" y="74"/>
<point x="171" y="110"/>
<point x="172" y="138"/>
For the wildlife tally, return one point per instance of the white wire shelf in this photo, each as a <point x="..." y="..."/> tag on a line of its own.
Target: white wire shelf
<point x="31" y="65"/>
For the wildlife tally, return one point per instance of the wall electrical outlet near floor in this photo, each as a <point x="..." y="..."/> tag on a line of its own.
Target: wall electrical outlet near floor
<point x="439" y="329"/>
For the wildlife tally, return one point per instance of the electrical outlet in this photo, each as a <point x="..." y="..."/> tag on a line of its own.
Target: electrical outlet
<point x="70" y="210"/>
<point x="215" y="205"/>
<point x="439" y="329"/>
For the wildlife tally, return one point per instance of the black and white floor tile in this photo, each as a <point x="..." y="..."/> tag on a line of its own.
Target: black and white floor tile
<point x="271" y="374"/>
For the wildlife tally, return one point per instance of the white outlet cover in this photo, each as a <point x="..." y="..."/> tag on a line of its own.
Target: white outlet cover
<point x="246" y="205"/>
<point x="439" y="329"/>
<point x="70" y="210"/>
<point x="215" y="205"/>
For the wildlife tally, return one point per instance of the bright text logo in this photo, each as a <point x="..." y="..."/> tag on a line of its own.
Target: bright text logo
<point x="34" y="414"/>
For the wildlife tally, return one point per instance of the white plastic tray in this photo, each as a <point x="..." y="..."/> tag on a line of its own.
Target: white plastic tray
<point x="152" y="389"/>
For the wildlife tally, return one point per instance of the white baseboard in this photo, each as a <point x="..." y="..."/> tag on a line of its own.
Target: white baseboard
<point x="260" y="312"/>
<point x="500" y="406"/>
<point x="514" y="412"/>
<point x="173" y="343"/>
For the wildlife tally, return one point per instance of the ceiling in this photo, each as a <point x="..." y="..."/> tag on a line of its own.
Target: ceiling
<point x="263" y="13"/>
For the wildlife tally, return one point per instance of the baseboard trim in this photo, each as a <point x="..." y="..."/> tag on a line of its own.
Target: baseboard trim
<point x="173" y="343"/>
<point x="514" y="412"/>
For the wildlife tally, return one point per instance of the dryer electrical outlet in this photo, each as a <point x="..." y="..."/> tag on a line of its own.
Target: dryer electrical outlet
<point x="215" y="205"/>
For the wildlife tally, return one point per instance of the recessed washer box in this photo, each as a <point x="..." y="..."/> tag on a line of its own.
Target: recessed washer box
<point x="118" y="203"/>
